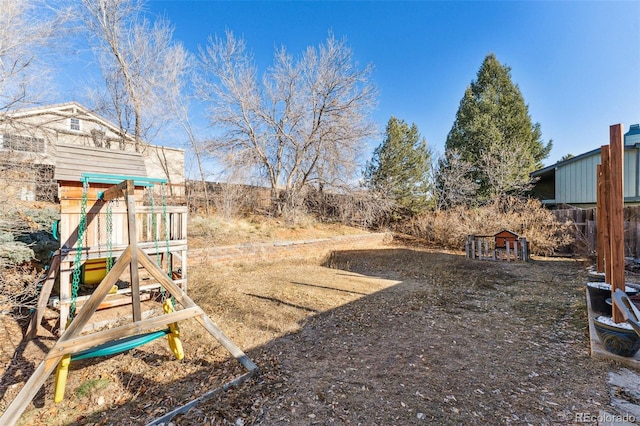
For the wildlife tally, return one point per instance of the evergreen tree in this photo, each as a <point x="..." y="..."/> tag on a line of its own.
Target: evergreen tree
<point x="400" y="167"/>
<point x="493" y="132"/>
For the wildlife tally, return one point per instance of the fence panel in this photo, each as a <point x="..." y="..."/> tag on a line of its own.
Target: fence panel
<point x="585" y="229"/>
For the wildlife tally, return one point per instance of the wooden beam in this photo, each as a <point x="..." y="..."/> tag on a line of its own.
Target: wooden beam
<point x="133" y="246"/>
<point x="115" y="192"/>
<point x="606" y="201"/>
<point x="88" y="341"/>
<point x="616" y="227"/>
<point x="600" y="241"/>
<point x="43" y="298"/>
<point x="182" y="298"/>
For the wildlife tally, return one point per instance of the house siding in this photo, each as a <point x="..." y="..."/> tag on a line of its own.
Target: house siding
<point x="575" y="182"/>
<point x="53" y="124"/>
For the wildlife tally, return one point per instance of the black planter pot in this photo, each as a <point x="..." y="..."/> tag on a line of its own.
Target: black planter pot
<point x="599" y="292"/>
<point x="619" y="339"/>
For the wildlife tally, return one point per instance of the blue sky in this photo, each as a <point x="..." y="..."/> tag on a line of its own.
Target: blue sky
<point x="577" y="63"/>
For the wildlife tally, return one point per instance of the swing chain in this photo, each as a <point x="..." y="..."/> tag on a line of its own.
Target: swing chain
<point x="109" y="263"/>
<point x="75" y="283"/>
<point x="167" y="230"/>
<point x="154" y="226"/>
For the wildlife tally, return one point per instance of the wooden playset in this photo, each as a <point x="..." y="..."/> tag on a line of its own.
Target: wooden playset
<point x="116" y="252"/>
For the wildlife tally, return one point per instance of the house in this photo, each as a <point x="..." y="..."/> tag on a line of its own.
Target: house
<point x="35" y="141"/>
<point x="573" y="181"/>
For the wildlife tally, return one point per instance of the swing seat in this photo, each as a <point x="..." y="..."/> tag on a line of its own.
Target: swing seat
<point x="118" y="346"/>
<point x="94" y="271"/>
<point x="107" y="349"/>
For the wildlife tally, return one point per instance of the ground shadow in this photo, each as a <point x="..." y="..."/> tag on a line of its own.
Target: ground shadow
<point x="456" y="341"/>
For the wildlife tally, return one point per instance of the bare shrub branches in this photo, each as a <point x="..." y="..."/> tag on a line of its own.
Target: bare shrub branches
<point x="449" y="228"/>
<point x="364" y="209"/>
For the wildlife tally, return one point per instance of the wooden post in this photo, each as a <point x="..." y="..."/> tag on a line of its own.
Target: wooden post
<point x="600" y="242"/>
<point x="133" y="244"/>
<point x="606" y="183"/>
<point x="467" y="247"/>
<point x="45" y="292"/>
<point x="616" y="226"/>
<point x="524" y="245"/>
<point x="506" y="243"/>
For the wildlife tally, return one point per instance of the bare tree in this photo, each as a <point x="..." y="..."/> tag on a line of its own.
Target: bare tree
<point x="304" y="122"/>
<point x="179" y="97"/>
<point x="454" y="181"/>
<point x="138" y="60"/>
<point x="232" y="193"/>
<point x="506" y="169"/>
<point x="28" y="30"/>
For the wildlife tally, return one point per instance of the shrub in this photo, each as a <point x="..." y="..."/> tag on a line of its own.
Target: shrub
<point x="25" y="236"/>
<point x="526" y="217"/>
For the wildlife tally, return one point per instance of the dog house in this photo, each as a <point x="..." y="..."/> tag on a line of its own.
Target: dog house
<point x="504" y="245"/>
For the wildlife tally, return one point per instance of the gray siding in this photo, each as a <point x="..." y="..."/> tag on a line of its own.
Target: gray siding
<point x="630" y="172"/>
<point x="576" y="181"/>
<point x="73" y="160"/>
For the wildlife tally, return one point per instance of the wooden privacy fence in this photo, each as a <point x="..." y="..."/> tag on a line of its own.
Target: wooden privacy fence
<point x="585" y="229"/>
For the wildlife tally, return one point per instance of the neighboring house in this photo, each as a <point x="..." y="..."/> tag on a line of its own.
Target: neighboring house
<point x="29" y="154"/>
<point x="573" y="181"/>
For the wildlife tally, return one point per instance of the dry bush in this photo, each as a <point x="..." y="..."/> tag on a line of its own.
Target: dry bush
<point x="528" y="218"/>
<point x="364" y="209"/>
<point x="18" y="290"/>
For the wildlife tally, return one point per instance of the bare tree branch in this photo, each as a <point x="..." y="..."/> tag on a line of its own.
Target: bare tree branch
<point x="139" y="60"/>
<point x="306" y="119"/>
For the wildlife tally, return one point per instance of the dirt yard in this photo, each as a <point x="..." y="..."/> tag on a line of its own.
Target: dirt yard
<point x="392" y="335"/>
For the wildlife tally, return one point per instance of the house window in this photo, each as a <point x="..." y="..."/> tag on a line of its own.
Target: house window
<point x="74" y="124"/>
<point x="22" y="143"/>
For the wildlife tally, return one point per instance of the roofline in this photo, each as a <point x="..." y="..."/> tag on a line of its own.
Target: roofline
<point x="25" y="112"/>
<point x="547" y="169"/>
<point x="21" y="113"/>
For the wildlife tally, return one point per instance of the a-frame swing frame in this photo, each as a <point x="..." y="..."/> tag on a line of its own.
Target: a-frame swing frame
<point x="71" y="341"/>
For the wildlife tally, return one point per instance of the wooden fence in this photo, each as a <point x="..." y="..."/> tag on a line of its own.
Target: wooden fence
<point x="585" y="230"/>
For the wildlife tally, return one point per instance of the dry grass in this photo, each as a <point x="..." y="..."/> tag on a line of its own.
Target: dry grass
<point x="213" y="230"/>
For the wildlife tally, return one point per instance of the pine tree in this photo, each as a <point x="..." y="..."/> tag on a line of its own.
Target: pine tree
<point x="493" y="131"/>
<point x="400" y="167"/>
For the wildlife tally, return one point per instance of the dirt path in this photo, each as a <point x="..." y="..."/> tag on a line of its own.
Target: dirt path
<point x="394" y="335"/>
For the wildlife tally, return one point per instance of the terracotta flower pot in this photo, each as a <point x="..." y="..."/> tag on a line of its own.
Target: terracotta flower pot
<point x="619" y="339"/>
